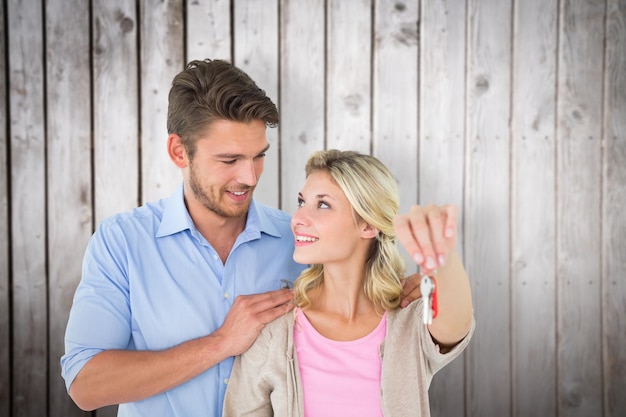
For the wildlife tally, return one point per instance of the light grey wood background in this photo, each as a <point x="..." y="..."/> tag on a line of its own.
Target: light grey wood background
<point x="514" y="110"/>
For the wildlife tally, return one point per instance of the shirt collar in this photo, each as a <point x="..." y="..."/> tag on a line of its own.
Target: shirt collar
<point x="176" y="218"/>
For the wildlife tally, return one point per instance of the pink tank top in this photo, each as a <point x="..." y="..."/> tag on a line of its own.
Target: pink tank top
<point x="339" y="378"/>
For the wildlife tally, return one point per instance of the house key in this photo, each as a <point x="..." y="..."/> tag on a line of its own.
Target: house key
<point x="428" y="288"/>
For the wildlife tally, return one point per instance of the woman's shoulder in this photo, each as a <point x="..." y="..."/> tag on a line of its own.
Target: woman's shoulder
<point x="410" y="313"/>
<point x="276" y="331"/>
<point x="406" y="323"/>
<point x="270" y="342"/>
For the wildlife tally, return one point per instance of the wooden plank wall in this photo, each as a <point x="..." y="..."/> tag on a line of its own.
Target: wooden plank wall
<point x="514" y="110"/>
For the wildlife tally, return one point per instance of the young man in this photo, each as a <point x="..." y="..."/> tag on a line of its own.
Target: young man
<point x="173" y="290"/>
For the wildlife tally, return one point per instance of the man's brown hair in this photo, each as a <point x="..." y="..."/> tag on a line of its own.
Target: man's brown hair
<point x="211" y="90"/>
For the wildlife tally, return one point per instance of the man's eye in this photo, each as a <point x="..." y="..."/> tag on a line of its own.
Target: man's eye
<point x="262" y="155"/>
<point x="230" y="161"/>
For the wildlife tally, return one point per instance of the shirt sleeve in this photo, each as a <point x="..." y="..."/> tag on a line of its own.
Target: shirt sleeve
<point x="100" y="316"/>
<point x="435" y="358"/>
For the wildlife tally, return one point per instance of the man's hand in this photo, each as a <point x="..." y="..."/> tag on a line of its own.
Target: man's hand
<point x="410" y="289"/>
<point x="248" y="315"/>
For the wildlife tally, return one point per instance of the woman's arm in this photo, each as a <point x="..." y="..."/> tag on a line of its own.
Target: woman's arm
<point x="429" y="235"/>
<point x="454" y="300"/>
<point x="248" y="392"/>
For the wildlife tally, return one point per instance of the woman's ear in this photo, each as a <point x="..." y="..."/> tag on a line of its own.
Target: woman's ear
<point x="176" y="151"/>
<point x="368" y="231"/>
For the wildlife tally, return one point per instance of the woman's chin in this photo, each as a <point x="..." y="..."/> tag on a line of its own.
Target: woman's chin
<point x="302" y="259"/>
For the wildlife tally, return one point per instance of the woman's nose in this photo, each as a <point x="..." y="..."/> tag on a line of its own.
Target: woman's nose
<point x="299" y="218"/>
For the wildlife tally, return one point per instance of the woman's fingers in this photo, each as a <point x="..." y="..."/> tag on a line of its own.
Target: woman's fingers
<point x="428" y="234"/>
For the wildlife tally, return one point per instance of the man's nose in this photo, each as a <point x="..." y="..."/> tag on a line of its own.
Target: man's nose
<point x="248" y="174"/>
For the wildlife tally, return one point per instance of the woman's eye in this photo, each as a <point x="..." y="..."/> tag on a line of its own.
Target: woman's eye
<point x="300" y="202"/>
<point x="323" y="205"/>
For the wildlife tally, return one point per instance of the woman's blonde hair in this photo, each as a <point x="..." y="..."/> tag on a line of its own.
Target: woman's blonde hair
<point x="373" y="193"/>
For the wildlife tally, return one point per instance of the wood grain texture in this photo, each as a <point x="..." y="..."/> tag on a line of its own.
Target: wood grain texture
<point x="579" y="130"/>
<point x="301" y="92"/>
<point x="161" y="57"/>
<point x="614" y="221"/>
<point x="68" y="175"/>
<point x="208" y="29"/>
<point x="256" y="40"/>
<point x="28" y="209"/>
<point x="348" y="75"/>
<point x="487" y="205"/>
<point x="395" y="124"/>
<point x="513" y="110"/>
<point x="442" y="149"/>
<point x="5" y="306"/>
<point x="533" y="208"/>
<point x="116" y="107"/>
<point x="395" y="92"/>
<point x="442" y="102"/>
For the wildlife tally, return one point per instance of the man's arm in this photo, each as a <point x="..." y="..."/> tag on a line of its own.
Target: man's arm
<point x="410" y="289"/>
<point x="119" y="376"/>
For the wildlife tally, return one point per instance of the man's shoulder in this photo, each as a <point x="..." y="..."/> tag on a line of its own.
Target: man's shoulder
<point x="146" y="215"/>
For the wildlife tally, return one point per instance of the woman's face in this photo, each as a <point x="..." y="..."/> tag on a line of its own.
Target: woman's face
<point x="323" y="225"/>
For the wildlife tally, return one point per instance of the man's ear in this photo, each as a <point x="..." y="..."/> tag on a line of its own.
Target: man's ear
<point x="368" y="231"/>
<point x="176" y="151"/>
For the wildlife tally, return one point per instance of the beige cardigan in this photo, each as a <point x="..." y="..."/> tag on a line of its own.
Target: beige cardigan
<point x="265" y="380"/>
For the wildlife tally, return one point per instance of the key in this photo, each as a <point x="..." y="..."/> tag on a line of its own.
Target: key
<point x="428" y="288"/>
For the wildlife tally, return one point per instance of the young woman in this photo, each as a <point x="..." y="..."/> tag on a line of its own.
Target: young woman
<point x="348" y="349"/>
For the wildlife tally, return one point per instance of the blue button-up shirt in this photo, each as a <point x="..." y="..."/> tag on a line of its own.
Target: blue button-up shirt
<point x="152" y="281"/>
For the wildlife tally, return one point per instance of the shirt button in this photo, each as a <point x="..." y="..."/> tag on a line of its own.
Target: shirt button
<point x="226" y="295"/>
<point x="225" y="380"/>
<point x="215" y="256"/>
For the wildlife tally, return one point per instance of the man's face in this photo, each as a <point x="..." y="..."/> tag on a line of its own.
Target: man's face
<point x="226" y="167"/>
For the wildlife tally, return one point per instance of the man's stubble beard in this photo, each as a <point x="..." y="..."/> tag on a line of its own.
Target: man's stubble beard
<point x="212" y="202"/>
